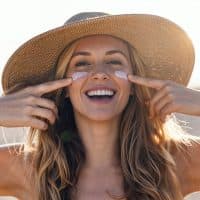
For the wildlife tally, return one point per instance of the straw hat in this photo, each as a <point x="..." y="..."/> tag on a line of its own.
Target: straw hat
<point x="164" y="47"/>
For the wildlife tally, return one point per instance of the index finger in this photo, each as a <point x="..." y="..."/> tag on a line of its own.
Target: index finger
<point x="148" y="82"/>
<point x="51" y="86"/>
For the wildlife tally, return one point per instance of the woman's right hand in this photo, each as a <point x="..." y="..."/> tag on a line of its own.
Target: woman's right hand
<point x="26" y="107"/>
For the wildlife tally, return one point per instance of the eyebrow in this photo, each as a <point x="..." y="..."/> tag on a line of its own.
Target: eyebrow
<point x="86" y="53"/>
<point x="116" y="51"/>
<point x="81" y="53"/>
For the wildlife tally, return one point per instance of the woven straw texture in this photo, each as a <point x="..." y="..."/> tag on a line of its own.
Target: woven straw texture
<point x="164" y="47"/>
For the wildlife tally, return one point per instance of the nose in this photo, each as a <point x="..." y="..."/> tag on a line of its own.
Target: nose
<point x="99" y="73"/>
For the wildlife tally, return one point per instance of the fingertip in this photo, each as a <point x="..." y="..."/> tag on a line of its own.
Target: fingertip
<point x="69" y="79"/>
<point x="133" y="76"/>
<point x="130" y="76"/>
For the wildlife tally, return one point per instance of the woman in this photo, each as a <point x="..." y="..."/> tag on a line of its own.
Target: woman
<point x="98" y="97"/>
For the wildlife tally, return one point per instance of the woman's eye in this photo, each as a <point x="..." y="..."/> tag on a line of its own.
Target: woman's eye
<point x="115" y="62"/>
<point x="81" y="63"/>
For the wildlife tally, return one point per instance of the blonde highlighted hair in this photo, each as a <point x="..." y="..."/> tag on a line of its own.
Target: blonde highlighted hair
<point x="148" y="167"/>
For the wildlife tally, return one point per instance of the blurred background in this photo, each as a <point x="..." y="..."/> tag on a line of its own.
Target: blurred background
<point x="21" y="20"/>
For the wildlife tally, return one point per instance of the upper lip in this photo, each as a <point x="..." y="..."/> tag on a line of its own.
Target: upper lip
<point x="100" y="87"/>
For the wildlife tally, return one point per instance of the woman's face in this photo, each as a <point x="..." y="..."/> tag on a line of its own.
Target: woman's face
<point x="99" y="65"/>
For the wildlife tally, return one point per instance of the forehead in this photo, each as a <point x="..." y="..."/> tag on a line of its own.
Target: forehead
<point x="101" y="42"/>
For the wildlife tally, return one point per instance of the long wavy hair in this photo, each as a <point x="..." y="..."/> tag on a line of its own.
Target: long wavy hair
<point x="145" y="145"/>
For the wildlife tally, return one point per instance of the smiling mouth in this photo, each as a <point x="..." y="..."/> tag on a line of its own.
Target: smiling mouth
<point x="101" y="96"/>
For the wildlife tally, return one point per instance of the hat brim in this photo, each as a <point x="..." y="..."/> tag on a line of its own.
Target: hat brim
<point x="164" y="47"/>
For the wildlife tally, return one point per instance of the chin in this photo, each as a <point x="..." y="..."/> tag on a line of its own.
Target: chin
<point x="100" y="116"/>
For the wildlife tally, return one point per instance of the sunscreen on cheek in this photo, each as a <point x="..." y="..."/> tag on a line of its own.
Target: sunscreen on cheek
<point x="78" y="75"/>
<point x="121" y="74"/>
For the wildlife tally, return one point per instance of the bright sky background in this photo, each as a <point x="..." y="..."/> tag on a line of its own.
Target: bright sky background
<point x="20" y="20"/>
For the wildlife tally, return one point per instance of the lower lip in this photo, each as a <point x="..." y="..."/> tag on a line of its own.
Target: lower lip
<point x="101" y="101"/>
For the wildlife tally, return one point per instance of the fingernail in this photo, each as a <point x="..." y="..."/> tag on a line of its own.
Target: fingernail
<point x="68" y="79"/>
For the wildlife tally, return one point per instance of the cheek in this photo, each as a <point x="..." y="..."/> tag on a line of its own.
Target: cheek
<point x="73" y="90"/>
<point x="124" y="91"/>
<point x="121" y="79"/>
<point x="127" y="89"/>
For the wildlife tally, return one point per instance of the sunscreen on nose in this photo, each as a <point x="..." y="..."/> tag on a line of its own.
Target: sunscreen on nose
<point x="121" y="74"/>
<point x="78" y="75"/>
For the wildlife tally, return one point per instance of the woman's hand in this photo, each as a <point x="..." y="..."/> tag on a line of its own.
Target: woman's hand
<point x="170" y="97"/>
<point x="26" y="107"/>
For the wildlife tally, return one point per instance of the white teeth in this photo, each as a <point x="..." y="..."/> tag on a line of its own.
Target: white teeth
<point x="100" y="92"/>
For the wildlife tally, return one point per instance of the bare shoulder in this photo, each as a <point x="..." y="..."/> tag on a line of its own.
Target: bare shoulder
<point x="9" y="149"/>
<point x="10" y="154"/>
<point x="187" y="160"/>
<point x="13" y="169"/>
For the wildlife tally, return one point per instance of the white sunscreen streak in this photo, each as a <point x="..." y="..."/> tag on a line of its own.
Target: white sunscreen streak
<point x="121" y="74"/>
<point x="78" y="75"/>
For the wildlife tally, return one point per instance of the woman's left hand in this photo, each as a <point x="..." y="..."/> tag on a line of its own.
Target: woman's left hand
<point x="170" y="97"/>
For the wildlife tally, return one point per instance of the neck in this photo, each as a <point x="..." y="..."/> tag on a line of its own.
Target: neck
<point x="100" y="139"/>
